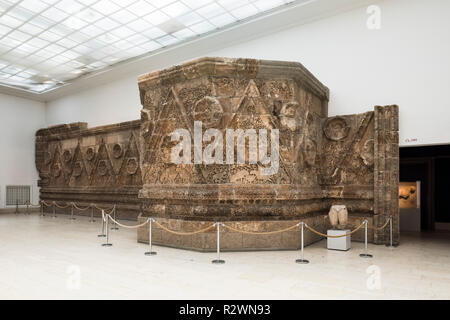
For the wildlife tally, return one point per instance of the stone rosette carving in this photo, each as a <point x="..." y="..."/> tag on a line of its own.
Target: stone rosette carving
<point x="336" y="128"/>
<point x="77" y="169"/>
<point x="132" y="166"/>
<point x="117" y="151"/>
<point x="67" y="156"/>
<point x="90" y="153"/>
<point x="102" y="168"/>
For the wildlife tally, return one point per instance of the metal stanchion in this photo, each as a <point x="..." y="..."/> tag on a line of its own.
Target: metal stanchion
<point x="218" y="260"/>
<point x="365" y="254"/>
<point x="302" y="260"/>
<point x="150" y="252"/>
<point x="17" y="206"/>
<point x="92" y="213"/>
<point x="114" y="227"/>
<point x="54" y="210"/>
<point x="28" y="208"/>
<point x="103" y="226"/>
<point x="391" y="237"/>
<point x="107" y="244"/>
<point x="71" y="212"/>
<point x="42" y="209"/>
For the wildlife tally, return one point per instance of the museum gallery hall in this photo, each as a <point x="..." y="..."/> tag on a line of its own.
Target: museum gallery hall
<point x="223" y="149"/>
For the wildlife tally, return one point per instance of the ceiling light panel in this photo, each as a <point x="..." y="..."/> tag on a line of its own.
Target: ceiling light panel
<point x="44" y="44"/>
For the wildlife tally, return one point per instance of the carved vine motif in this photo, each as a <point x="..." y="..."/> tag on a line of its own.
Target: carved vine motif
<point x="367" y="153"/>
<point x="336" y="128"/>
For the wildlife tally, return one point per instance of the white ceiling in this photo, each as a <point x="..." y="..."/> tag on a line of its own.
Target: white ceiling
<point x="90" y="74"/>
<point x="47" y="44"/>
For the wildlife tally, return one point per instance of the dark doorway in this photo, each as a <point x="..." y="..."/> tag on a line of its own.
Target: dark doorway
<point x="431" y="166"/>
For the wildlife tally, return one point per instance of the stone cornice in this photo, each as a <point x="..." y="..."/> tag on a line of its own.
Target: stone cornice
<point x="79" y="129"/>
<point x="243" y="68"/>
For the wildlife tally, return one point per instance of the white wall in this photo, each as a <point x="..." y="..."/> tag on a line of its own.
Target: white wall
<point x="111" y="103"/>
<point x="19" y="121"/>
<point x="406" y="62"/>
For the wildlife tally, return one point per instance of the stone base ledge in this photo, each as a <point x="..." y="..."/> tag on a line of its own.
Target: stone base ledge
<point x="236" y="241"/>
<point x="230" y="240"/>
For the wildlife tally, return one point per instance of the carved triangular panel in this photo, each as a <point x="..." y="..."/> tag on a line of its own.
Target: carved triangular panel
<point x="103" y="174"/>
<point x="89" y="155"/>
<point x="56" y="171"/>
<point x="130" y="172"/>
<point x="116" y="153"/>
<point x="79" y="176"/>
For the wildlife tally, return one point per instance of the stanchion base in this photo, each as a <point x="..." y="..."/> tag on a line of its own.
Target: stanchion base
<point x="302" y="261"/>
<point x="53" y="217"/>
<point x="391" y="247"/>
<point x="114" y="228"/>
<point x="151" y="253"/>
<point x="366" y="255"/>
<point x="107" y="245"/>
<point x="91" y="220"/>
<point x="218" y="261"/>
<point x="73" y="218"/>
<point x="101" y="235"/>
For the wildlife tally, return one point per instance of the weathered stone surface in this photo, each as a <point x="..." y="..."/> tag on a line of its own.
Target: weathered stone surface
<point x="349" y="160"/>
<point x="98" y="165"/>
<point x="323" y="160"/>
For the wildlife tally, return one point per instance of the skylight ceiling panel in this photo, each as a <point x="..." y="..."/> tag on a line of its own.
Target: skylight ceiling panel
<point x="59" y="40"/>
<point x="33" y="5"/>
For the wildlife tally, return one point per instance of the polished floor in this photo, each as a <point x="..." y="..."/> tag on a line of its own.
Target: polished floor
<point x="45" y="258"/>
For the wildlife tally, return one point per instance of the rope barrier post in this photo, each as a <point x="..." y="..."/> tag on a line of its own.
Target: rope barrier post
<point x="42" y="209"/>
<point x="365" y="254"/>
<point x="28" y="208"/>
<point x="103" y="226"/>
<point x="114" y="227"/>
<point x="54" y="210"/>
<point x="92" y="213"/>
<point x="218" y="260"/>
<point x="17" y="206"/>
<point x="391" y="237"/>
<point x="107" y="244"/>
<point x="150" y="252"/>
<point x="302" y="260"/>
<point x="71" y="212"/>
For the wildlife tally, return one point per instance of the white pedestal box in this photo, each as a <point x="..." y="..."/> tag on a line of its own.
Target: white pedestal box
<point x="342" y="243"/>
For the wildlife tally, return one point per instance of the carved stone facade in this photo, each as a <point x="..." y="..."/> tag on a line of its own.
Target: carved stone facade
<point x="323" y="160"/>
<point x="98" y="165"/>
<point x="347" y="160"/>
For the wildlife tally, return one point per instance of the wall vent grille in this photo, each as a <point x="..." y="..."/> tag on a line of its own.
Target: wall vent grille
<point x="20" y="195"/>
